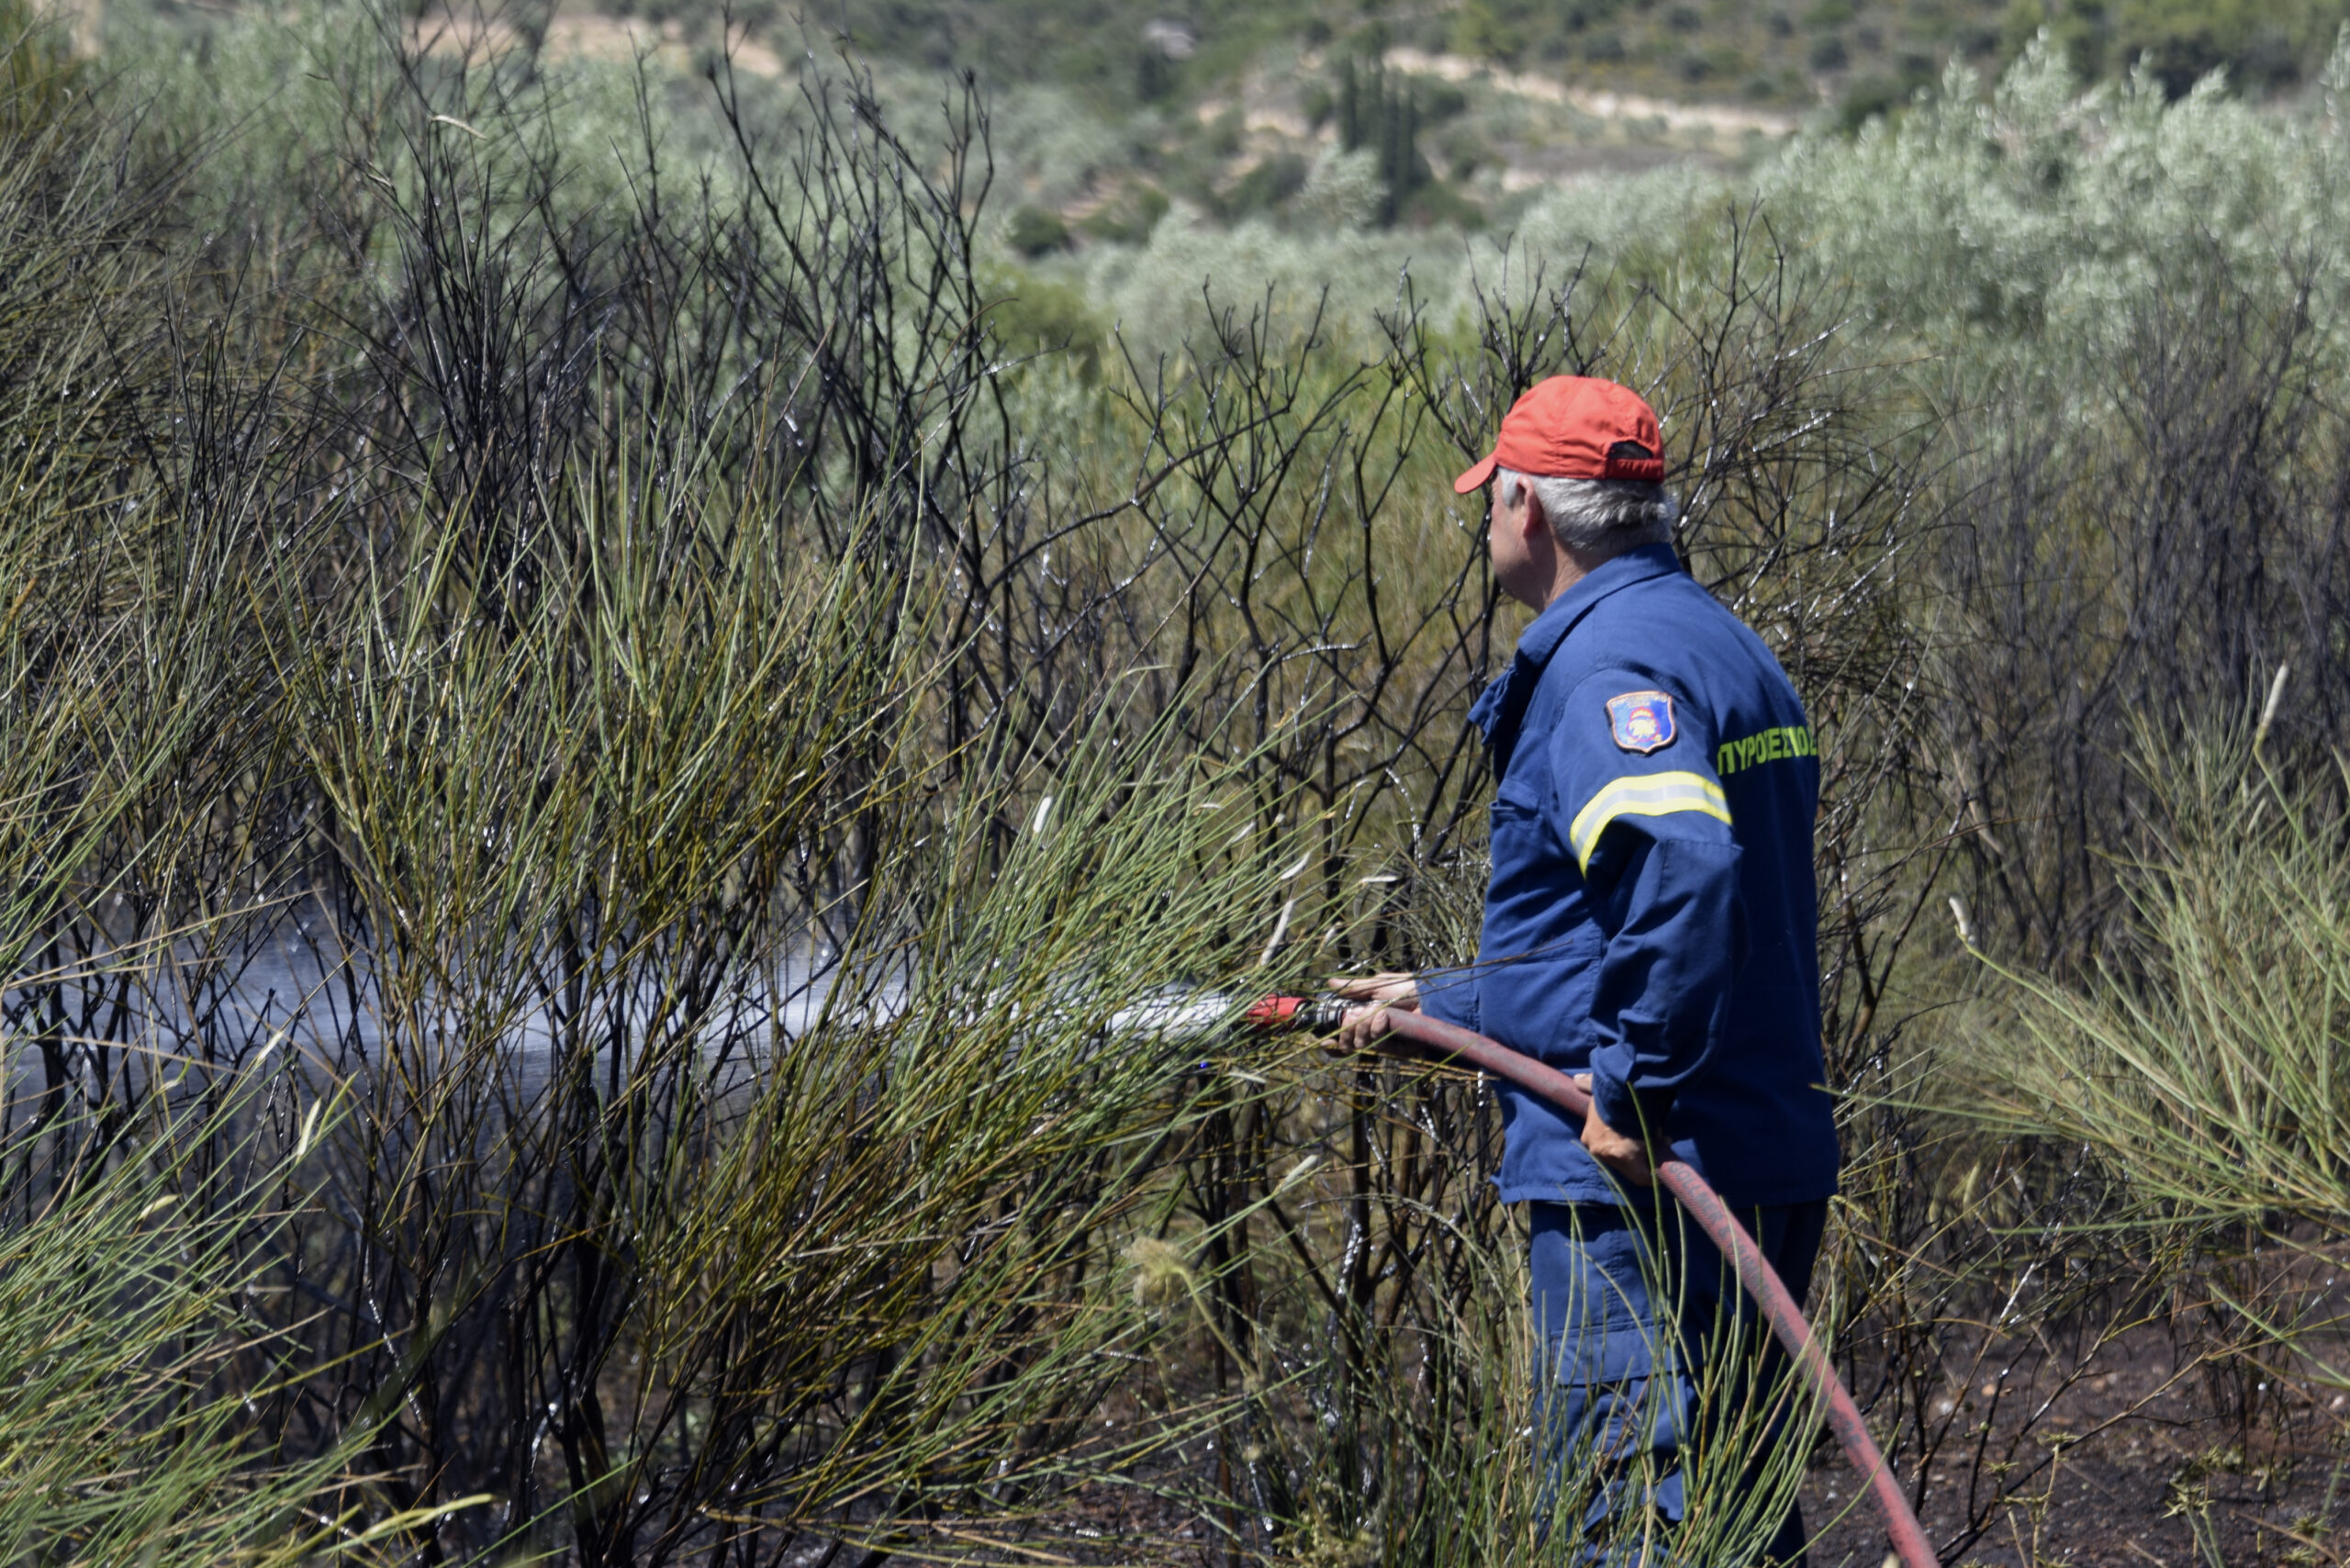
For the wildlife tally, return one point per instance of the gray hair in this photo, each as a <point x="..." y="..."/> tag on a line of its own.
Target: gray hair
<point x="1604" y="515"/>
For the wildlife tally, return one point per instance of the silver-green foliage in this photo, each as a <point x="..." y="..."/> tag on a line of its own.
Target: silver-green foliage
<point x="2039" y="213"/>
<point x="2046" y="210"/>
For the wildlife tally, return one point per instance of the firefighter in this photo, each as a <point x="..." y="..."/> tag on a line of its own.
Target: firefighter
<point x="1650" y="926"/>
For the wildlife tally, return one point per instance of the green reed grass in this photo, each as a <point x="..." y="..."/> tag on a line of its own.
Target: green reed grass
<point x="132" y="1345"/>
<point x="2205" y="1061"/>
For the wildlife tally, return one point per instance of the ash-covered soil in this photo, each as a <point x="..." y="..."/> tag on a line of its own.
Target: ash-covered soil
<point x="2142" y="1463"/>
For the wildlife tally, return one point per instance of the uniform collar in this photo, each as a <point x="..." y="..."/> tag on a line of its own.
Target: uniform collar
<point x="1541" y="639"/>
<point x="1502" y="707"/>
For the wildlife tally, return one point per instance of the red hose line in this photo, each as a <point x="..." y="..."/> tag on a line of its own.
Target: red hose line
<point x="1754" y="1271"/>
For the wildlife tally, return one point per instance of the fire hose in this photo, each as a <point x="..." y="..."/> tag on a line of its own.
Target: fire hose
<point x="1431" y="1036"/>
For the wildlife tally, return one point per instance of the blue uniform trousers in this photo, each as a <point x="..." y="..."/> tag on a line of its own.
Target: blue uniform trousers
<point x="1633" y="1303"/>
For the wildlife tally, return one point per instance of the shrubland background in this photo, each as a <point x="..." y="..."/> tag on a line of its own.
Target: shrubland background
<point x="629" y="717"/>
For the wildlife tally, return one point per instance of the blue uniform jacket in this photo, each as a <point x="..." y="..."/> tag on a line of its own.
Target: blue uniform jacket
<point x="1652" y="918"/>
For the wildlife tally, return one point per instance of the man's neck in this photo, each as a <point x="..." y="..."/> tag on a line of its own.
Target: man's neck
<point x="1573" y="565"/>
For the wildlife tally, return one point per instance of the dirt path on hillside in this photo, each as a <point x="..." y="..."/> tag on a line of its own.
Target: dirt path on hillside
<point x="1718" y="119"/>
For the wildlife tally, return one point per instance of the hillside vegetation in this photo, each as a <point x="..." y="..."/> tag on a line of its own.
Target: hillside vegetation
<point x="1461" y="115"/>
<point x="631" y="703"/>
<point x="1763" y="52"/>
<point x="1226" y="105"/>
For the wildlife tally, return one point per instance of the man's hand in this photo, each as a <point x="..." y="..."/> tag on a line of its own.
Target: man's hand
<point x="1628" y="1157"/>
<point x="1363" y="1026"/>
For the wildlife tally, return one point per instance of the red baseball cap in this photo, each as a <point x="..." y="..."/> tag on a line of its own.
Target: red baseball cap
<point x="1575" y="427"/>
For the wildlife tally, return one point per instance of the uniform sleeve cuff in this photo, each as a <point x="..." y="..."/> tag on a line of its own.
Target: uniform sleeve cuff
<point x="1449" y="996"/>
<point x="1633" y="1113"/>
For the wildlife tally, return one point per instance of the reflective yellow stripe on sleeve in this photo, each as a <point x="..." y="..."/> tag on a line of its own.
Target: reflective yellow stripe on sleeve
<point x="1643" y="795"/>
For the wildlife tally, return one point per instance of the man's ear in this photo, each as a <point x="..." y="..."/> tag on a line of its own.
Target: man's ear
<point x="1537" y="527"/>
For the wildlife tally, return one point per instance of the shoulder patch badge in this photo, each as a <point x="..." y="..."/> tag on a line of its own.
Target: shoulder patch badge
<point x="1641" y="721"/>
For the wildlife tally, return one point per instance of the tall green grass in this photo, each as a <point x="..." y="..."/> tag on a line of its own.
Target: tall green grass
<point x="133" y="1345"/>
<point x="2203" y="1061"/>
